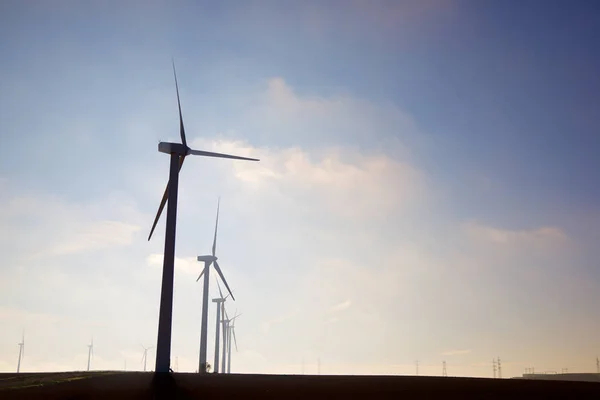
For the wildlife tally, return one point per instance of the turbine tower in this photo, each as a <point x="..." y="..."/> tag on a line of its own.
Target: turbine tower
<point x="177" y="152"/>
<point x="145" y="356"/>
<point x="21" y="352"/>
<point x="225" y="323"/>
<point x="220" y="305"/>
<point x="90" y="352"/>
<point x="231" y="332"/>
<point x="208" y="260"/>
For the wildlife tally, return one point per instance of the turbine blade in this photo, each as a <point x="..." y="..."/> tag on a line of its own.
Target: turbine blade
<point x="181" y="128"/>
<point x="219" y="155"/>
<point x="214" y="248"/>
<point x="163" y="202"/>
<point x="234" y="338"/>
<point x="216" y="264"/>
<point x="201" y="273"/>
<point x="219" y="286"/>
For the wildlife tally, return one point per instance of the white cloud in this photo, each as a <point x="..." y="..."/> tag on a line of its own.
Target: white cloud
<point x="341" y="306"/>
<point x="338" y="180"/>
<point x="187" y="265"/>
<point x="98" y="236"/>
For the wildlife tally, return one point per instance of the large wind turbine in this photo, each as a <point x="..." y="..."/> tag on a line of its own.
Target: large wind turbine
<point x="145" y="356"/>
<point x="178" y="152"/>
<point x="220" y="305"/>
<point x="208" y="261"/>
<point x="21" y="352"/>
<point x="90" y="352"/>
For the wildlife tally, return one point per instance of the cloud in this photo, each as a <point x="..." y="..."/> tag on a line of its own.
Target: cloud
<point x="341" y="306"/>
<point x="340" y="181"/>
<point x="455" y="352"/>
<point x="40" y="225"/>
<point x="187" y="265"/>
<point x="544" y="235"/>
<point x="97" y="236"/>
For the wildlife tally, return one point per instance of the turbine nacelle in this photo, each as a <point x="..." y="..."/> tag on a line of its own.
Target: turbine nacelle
<point x="207" y="259"/>
<point x="173" y="148"/>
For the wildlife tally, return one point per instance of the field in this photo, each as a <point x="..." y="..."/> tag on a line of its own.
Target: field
<point x="141" y="385"/>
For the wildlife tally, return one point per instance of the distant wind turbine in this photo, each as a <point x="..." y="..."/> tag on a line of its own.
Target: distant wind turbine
<point x="208" y="261"/>
<point x="229" y="327"/>
<point x="178" y="152"/>
<point x="220" y="305"/>
<point x="145" y="356"/>
<point x="90" y="352"/>
<point x="21" y="352"/>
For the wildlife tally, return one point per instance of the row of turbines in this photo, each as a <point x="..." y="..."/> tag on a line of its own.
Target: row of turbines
<point x="178" y="152"/>
<point x="225" y="325"/>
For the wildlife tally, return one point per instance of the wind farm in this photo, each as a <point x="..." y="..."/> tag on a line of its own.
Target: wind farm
<point x="164" y="382"/>
<point x="350" y="199"/>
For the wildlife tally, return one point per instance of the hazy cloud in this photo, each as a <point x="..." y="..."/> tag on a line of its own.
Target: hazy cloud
<point x="341" y="306"/>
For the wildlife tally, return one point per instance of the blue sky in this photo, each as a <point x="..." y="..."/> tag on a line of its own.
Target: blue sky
<point x="426" y="180"/>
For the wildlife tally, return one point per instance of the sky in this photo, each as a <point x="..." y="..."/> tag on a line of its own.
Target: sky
<point x="427" y="189"/>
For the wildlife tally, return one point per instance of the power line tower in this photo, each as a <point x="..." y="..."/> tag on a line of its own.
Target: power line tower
<point x="494" y="366"/>
<point x="598" y="365"/>
<point x="499" y="368"/>
<point x="444" y="372"/>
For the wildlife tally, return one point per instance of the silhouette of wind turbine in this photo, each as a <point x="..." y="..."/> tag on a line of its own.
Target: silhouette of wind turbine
<point x="220" y="305"/>
<point x="228" y="330"/>
<point x="90" y="352"/>
<point x="21" y="352"/>
<point x="208" y="260"/>
<point x="145" y="356"/>
<point x="178" y="152"/>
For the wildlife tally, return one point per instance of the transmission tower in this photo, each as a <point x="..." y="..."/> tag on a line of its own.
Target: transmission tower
<point x="499" y="368"/>
<point x="597" y="365"/>
<point x="494" y="366"/>
<point x="444" y="372"/>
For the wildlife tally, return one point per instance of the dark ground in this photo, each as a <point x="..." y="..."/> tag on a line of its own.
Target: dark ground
<point x="145" y="385"/>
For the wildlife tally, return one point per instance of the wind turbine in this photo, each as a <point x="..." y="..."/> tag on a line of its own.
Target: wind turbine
<point x="220" y="305"/>
<point x="145" y="356"/>
<point x="21" y="352"/>
<point x="178" y="152"/>
<point x="208" y="260"/>
<point x="230" y="329"/>
<point x="90" y="352"/>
